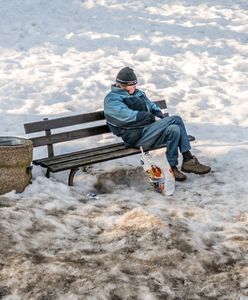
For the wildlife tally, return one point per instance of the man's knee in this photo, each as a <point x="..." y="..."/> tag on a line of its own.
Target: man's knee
<point x="177" y="119"/>
<point x="173" y="130"/>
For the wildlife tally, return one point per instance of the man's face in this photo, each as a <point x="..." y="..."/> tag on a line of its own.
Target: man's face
<point x="130" y="88"/>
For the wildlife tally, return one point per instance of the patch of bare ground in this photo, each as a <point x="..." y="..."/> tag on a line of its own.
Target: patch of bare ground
<point x="143" y="260"/>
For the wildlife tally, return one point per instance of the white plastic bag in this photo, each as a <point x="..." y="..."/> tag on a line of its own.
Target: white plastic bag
<point x="159" y="171"/>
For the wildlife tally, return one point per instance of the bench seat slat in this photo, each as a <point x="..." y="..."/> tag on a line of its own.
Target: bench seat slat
<point x="86" y="154"/>
<point x="92" y="160"/>
<point x="68" y="155"/>
<point x="97" y="158"/>
<point x="82" y="155"/>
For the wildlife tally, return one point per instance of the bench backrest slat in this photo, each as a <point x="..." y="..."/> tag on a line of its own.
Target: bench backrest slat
<point x="63" y="122"/>
<point x="72" y="120"/>
<point x="69" y="135"/>
<point x="51" y="138"/>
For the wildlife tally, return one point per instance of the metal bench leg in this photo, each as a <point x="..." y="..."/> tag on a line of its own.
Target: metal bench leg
<point x="48" y="173"/>
<point x="71" y="176"/>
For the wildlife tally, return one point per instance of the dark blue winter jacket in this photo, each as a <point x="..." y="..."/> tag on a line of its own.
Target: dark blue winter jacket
<point x="127" y="114"/>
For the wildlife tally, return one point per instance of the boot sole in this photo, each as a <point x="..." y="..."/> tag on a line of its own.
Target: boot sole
<point x="183" y="179"/>
<point x="195" y="172"/>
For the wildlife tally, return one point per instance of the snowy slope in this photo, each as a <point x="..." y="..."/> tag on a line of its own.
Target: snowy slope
<point x="59" y="58"/>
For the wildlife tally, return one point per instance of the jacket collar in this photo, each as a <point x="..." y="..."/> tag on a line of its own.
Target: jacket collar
<point x="118" y="90"/>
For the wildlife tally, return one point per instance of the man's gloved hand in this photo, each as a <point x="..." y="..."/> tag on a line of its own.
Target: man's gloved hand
<point x="159" y="114"/>
<point x="135" y="103"/>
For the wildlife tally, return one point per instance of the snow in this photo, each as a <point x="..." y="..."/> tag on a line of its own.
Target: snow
<point x="59" y="58"/>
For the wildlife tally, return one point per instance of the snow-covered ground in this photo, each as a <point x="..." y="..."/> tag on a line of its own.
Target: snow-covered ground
<point x="59" y="58"/>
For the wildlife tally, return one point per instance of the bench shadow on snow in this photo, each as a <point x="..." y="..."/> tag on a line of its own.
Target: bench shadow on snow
<point x="122" y="178"/>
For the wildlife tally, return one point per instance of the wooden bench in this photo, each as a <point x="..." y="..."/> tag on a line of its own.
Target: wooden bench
<point x="73" y="160"/>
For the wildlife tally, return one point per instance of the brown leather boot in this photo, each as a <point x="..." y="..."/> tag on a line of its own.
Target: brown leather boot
<point x="194" y="166"/>
<point x="178" y="175"/>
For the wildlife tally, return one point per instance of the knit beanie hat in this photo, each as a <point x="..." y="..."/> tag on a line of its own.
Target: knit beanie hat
<point x="126" y="76"/>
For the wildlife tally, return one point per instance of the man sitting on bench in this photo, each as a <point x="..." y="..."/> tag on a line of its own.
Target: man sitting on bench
<point x="140" y="122"/>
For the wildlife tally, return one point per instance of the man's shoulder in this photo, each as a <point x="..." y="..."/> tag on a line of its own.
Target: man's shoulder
<point x="116" y="93"/>
<point x="112" y="94"/>
<point x="112" y="99"/>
